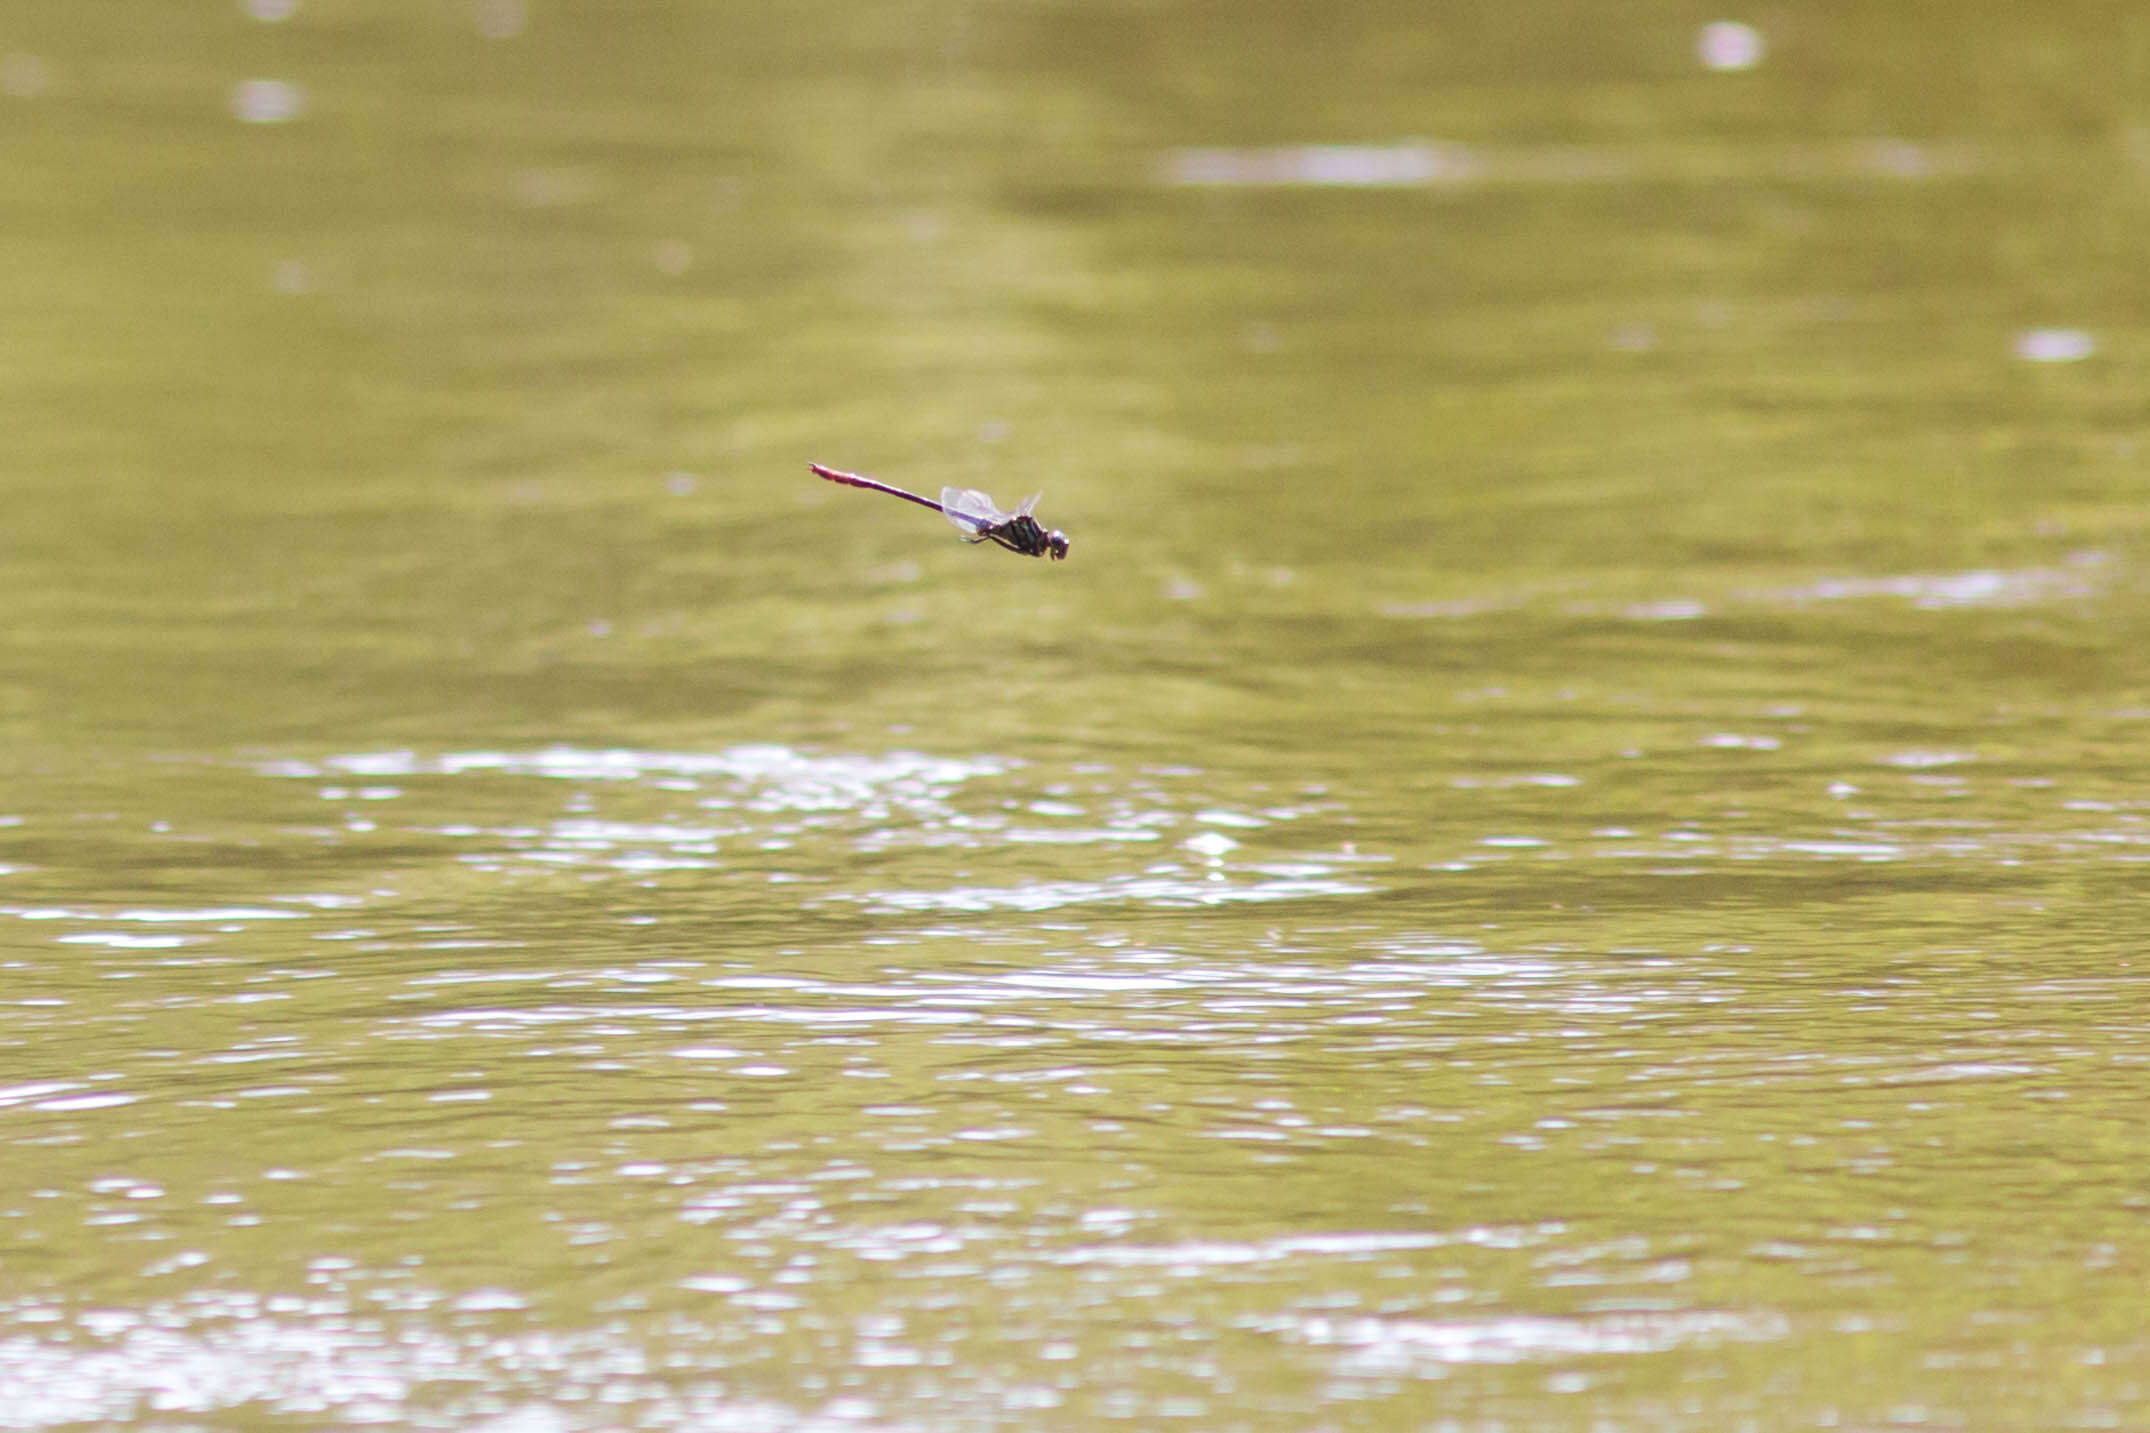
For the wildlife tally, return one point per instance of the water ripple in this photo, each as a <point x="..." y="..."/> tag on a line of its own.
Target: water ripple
<point x="1157" y="889"/>
<point x="1400" y="1347"/>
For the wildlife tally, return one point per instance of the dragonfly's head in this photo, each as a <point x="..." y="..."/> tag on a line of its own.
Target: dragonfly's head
<point x="1057" y="542"/>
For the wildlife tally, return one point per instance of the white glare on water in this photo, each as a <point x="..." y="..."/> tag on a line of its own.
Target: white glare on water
<point x="23" y="76"/>
<point x="1729" y="45"/>
<point x="502" y="19"/>
<point x="267" y="101"/>
<point x="2054" y="345"/>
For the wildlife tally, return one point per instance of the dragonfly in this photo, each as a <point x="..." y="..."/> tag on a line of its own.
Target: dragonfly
<point x="975" y="514"/>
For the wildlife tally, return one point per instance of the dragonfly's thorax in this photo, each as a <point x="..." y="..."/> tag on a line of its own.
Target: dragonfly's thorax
<point x="1025" y="534"/>
<point x="1022" y="533"/>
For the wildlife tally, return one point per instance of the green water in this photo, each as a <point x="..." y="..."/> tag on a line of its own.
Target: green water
<point x="1564" y="852"/>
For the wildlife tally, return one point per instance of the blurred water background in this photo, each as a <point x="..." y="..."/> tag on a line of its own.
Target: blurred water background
<point x="1565" y="852"/>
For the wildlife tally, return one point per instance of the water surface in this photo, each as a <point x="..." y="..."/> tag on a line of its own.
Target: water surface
<point x="1563" y="852"/>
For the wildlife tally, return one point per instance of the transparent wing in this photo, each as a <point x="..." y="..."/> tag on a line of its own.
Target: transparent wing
<point x="1027" y="504"/>
<point x="970" y="509"/>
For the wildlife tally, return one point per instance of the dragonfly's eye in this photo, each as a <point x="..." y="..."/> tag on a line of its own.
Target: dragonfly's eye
<point x="1057" y="541"/>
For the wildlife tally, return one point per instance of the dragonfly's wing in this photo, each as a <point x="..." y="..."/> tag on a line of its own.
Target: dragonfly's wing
<point x="1027" y="504"/>
<point x="970" y="509"/>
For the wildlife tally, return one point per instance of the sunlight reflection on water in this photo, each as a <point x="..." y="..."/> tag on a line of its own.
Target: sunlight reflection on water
<point x="1402" y="1346"/>
<point x="328" y="1355"/>
<point x="1421" y="164"/>
<point x="2078" y="580"/>
<point x="793" y="780"/>
<point x="828" y="810"/>
<point x="1959" y="589"/>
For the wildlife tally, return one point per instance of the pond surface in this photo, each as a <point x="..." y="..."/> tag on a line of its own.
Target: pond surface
<point x="1566" y="851"/>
